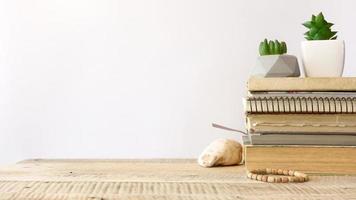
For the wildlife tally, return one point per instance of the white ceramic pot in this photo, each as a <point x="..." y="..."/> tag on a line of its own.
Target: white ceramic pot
<point x="323" y="58"/>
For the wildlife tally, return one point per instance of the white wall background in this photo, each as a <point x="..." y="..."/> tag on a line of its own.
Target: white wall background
<point x="137" y="78"/>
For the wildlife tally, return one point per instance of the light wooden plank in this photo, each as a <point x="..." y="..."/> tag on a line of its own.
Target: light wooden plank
<point x="154" y="179"/>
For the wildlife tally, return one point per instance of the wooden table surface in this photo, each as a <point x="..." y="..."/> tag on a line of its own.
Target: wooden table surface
<point x="154" y="179"/>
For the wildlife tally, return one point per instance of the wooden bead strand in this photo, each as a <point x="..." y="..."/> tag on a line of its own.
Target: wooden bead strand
<point x="277" y="175"/>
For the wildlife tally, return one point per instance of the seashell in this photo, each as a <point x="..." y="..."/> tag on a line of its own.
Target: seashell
<point x="221" y="152"/>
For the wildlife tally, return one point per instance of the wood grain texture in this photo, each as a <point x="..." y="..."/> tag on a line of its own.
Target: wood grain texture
<point x="154" y="179"/>
<point x="309" y="159"/>
<point x="302" y="84"/>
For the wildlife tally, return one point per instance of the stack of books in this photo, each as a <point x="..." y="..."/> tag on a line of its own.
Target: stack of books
<point x="306" y="124"/>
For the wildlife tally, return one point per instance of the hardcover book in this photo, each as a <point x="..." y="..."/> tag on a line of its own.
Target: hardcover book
<point x="299" y="139"/>
<point x="327" y="160"/>
<point x="337" y="84"/>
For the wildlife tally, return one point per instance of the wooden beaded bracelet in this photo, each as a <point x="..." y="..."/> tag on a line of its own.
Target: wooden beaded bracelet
<point x="277" y="175"/>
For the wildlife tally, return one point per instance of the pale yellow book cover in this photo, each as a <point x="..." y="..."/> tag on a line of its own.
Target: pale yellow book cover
<point x="302" y="84"/>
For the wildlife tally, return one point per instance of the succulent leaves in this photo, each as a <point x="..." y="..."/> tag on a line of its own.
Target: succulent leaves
<point x="272" y="47"/>
<point x="319" y="29"/>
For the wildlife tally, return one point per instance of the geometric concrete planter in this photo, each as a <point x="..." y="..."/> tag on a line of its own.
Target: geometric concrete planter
<point x="276" y="66"/>
<point x="323" y="58"/>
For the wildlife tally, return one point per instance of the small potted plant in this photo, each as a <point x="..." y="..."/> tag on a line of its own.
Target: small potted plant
<point x="322" y="54"/>
<point x="273" y="61"/>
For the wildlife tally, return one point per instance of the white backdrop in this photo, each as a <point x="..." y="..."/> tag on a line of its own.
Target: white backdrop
<point x="137" y="78"/>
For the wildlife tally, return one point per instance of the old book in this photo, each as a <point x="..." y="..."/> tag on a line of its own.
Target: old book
<point x="299" y="139"/>
<point x="302" y="123"/>
<point x="246" y="139"/>
<point x="312" y="94"/>
<point x="338" y="84"/>
<point x="300" y="104"/>
<point x="326" y="160"/>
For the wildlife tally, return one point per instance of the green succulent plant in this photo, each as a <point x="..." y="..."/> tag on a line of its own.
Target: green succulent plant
<point x="272" y="47"/>
<point x="319" y="29"/>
